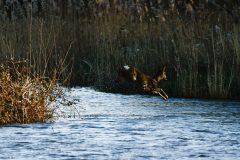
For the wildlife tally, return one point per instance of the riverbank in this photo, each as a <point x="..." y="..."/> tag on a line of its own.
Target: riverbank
<point x="137" y="90"/>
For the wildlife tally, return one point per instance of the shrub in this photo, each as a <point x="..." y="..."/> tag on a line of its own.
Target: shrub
<point x="25" y="98"/>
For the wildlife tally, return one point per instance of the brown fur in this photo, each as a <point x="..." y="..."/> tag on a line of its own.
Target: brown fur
<point x="148" y="83"/>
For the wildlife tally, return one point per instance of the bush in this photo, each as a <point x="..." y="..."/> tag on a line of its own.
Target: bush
<point x="25" y="98"/>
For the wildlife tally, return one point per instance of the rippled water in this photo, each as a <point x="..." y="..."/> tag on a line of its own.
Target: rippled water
<point x="115" y="126"/>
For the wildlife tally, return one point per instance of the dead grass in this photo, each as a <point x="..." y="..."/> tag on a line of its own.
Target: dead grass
<point x="25" y="98"/>
<point x="202" y="56"/>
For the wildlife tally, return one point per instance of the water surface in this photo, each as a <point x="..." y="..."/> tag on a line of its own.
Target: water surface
<point x="115" y="126"/>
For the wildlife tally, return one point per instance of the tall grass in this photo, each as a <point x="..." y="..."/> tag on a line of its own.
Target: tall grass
<point x="202" y="57"/>
<point x="29" y="88"/>
<point x="40" y="42"/>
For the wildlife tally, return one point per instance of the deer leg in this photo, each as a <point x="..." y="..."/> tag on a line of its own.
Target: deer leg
<point x="162" y="96"/>
<point x="145" y="86"/>
<point x="164" y="93"/>
<point x="165" y="97"/>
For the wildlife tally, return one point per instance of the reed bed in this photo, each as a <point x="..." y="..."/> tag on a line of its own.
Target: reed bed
<point x="202" y="56"/>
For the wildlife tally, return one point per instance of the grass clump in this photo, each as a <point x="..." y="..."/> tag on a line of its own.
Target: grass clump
<point x="24" y="97"/>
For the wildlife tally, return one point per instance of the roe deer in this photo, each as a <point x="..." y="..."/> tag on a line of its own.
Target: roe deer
<point x="149" y="84"/>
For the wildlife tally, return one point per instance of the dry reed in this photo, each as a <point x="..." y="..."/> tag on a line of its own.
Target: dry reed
<point x="202" y="56"/>
<point x="25" y="98"/>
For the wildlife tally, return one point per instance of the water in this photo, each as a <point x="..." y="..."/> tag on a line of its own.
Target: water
<point x="115" y="126"/>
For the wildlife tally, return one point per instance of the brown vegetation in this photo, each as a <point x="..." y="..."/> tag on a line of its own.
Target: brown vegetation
<point x="25" y="98"/>
<point x="199" y="43"/>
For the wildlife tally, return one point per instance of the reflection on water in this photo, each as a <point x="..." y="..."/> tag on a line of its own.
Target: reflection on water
<point x="115" y="126"/>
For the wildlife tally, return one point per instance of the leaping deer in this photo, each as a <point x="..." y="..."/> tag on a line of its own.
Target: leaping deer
<point x="149" y="84"/>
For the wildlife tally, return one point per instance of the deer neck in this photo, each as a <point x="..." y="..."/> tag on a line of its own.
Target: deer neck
<point x="159" y="78"/>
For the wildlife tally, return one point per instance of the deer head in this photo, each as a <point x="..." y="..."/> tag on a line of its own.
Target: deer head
<point x="162" y="75"/>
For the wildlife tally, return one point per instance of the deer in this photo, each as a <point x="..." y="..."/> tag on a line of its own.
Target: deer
<point x="149" y="84"/>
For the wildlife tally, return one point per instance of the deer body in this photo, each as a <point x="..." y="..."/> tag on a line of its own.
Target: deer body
<point x="149" y="84"/>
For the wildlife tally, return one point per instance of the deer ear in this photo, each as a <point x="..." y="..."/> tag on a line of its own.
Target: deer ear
<point x="164" y="69"/>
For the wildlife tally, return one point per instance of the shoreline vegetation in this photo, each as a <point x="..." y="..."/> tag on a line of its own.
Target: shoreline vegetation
<point x="199" y="42"/>
<point x="26" y="97"/>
